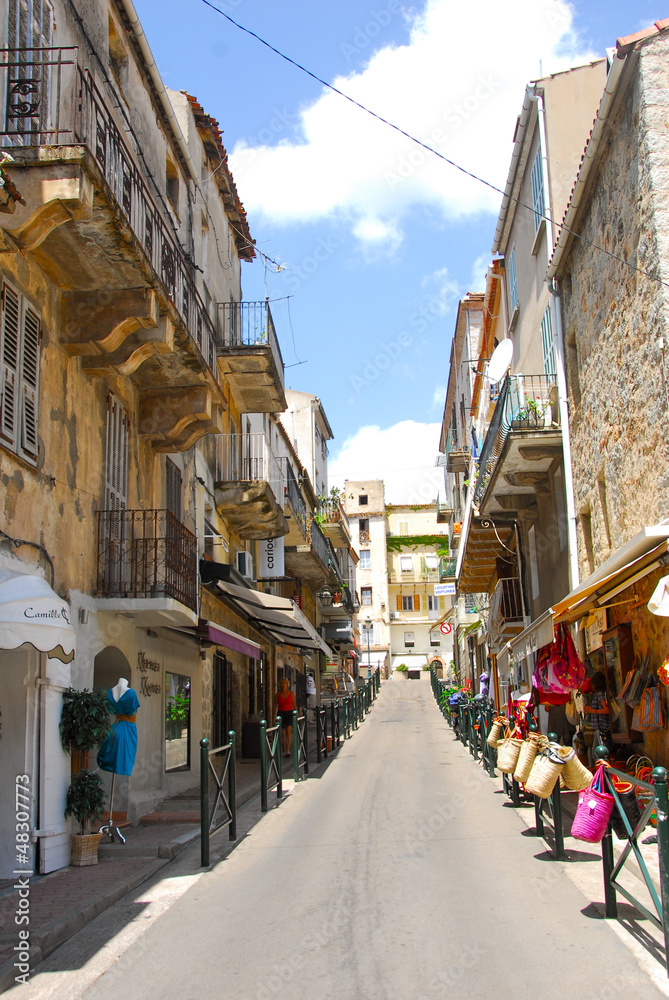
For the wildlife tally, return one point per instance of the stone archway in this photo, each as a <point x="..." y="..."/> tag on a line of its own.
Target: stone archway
<point x="110" y="664"/>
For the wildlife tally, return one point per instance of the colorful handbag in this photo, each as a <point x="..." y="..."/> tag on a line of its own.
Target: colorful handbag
<point x="593" y="811"/>
<point x="647" y="717"/>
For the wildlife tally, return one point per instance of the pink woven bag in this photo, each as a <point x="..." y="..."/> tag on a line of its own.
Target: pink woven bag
<point x="593" y="811"/>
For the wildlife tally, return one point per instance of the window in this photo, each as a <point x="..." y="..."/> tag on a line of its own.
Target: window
<point x="362" y="500"/>
<point x="173" y="489"/>
<point x="363" y="525"/>
<point x="365" y="559"/>
<point x="408" y="602"/>
<point x="177" y="722"/>
<point x="30" y="25"/>
<point x="366" y="595"/>
<point x="172" y="184"/>
<point x="434" y="603"/>
<point x="431" y="563"/>
<point x="470" y="604"/>
<point x="512" y="279"/>
<point x="116" y="458"/>
<point x="434" y="639"/>
<point x="408" y="639"/>
<point x="20" y="337"/>
<point x="406" y="564"/>
<point x="547" y="343"/>
<point x="404" y="527"/>
<point x="538" y="189"/>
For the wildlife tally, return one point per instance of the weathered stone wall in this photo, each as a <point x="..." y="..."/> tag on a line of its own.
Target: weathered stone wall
<point x="613" y="317"/>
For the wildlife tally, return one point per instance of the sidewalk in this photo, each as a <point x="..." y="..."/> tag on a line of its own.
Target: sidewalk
<point x="63" y="902"/>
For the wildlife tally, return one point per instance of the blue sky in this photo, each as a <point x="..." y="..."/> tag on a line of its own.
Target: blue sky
<point x="376" y="240"/>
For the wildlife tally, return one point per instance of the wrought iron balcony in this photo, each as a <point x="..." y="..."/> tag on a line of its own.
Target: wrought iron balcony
<point x="447" y="569"/>
<point x="334" y="522"/>
<point x="146" y="554"/>
<point x="51" y="101"/>
<point x="457" y="454"/>
<point x="527" y="404"/>
<point x="250" y="485"/>
<point x="250" y="355"/>
<point x="505" y="617"/>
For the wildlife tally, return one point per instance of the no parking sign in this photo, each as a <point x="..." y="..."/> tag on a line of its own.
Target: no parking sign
<point x="445" y="628"/>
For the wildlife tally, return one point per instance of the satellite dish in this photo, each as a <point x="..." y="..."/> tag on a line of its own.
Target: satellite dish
<point x="500" y="360"/>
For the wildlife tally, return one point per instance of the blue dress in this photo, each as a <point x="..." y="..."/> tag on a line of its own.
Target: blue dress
<point x="119" y="747"/>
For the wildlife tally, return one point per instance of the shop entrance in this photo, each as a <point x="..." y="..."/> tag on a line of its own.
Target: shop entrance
<point x="222" y="700"/>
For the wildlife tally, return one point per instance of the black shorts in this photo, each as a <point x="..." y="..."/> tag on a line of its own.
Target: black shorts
<point x="286" y="716"/>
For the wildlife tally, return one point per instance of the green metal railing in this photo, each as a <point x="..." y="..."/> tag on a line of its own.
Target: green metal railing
<point x="270" y="761"/>
<point x="550" y="810"/>
<point x="658" y="801"/>
<point x="300" y="748"/>
<point x="335" y="723"/>
<point x="223" y="810"/>
<point x="321" y="733"/>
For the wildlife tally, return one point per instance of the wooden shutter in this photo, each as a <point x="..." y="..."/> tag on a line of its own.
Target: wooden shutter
<point x="416" y="602"/>
<point x="9" y="351"/>
<point x="173" y="489"/>
<point x="442" y="603"/>
<point x="116" y="464"/>
<point x="29" y="383"/>
<point x="399" y="602"/>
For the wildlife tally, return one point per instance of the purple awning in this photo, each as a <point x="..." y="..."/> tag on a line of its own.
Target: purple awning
<point x="220" y="636"/>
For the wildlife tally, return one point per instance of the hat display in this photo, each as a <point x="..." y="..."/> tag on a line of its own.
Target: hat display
<point x="659" y="602"/>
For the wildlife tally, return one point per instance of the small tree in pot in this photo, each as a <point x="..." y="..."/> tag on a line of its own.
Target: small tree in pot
<point x="84" y="723"/>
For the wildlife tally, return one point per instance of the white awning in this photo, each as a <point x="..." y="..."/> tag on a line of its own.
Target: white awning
<point x="31" y="612"/>
<point x="536" y="635"/>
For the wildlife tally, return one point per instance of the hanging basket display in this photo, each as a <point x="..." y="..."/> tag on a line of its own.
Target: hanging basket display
<point x="529" y="750"/>
<point x="546" y="770"/>
<point x="593" y="811"/>
<point x="496" y="731"/>
<point x="576" y="775"/>
<point x="507" y="754"/>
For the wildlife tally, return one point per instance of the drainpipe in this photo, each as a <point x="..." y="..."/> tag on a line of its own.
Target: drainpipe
<point x="156" y="79"/>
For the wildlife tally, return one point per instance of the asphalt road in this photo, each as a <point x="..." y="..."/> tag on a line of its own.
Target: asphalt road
<point x="400" y="873"/>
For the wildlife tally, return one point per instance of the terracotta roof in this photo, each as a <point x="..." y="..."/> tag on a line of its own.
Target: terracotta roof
<point x="210" y="134"/>
<point x="627" y="42"/>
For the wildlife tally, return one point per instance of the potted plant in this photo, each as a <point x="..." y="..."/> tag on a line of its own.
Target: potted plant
<point x="84" y="723"/>
<point x="402" y="669"/>
<point x="86" y="802"/>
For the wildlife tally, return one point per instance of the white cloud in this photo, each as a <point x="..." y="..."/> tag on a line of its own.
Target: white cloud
<point x="438" y="396"/>
<point x="402" y="455"/>
<point x="445" y="291"/>
<point x="456" y="89"/>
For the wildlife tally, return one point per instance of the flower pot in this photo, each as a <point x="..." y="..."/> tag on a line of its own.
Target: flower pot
<point x="84" y="849"/>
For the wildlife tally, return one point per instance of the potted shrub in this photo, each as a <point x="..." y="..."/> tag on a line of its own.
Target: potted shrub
<point x="402" y="669"/>
<point x="86" y="802"/>
<point x="84" y="723"/>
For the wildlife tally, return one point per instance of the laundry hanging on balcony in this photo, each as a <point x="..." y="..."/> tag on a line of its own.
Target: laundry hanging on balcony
<point x="30" y="612"/>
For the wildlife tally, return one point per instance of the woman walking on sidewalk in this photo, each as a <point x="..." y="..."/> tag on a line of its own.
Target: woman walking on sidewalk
<point x="284" y="705"/>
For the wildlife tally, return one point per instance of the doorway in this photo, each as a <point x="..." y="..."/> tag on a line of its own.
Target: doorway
<point x="222" y="699"/>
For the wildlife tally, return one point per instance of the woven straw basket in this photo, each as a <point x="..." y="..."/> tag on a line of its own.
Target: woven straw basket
<point x="545" y="772"/>
<point x="530" y="748"/>
<point x="84" y="849"/>
<point x="576" y="775"/>
<point x="507" y="754"/>
<point x="495" y="732"/>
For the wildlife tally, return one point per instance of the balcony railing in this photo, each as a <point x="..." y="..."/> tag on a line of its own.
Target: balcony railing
<point x="447" y="568"/>
<point x="506" y="609"/>
<point x="332" y="512"/>
<point x="295" y="498"/>
<point x="248" y="324"/>
<point x="50" y="100"/>
<point x="454" y="528"/>
<point x="320" y="545"/>
<point x="457" y="454"/>
<point x="248" y="458"/>
<point x="526" y="403"/>
<point x="146" y="553"/>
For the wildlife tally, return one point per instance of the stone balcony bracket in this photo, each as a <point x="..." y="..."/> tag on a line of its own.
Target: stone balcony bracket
<point x="174" y="419"/>
<point x="55" y="194"/>
<point x="251" y="509"/>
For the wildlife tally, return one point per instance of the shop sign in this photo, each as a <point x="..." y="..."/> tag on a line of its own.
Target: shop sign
<point x="444" y="590"/>
<point x="146" y="666"/>
<point x="595" y="624"/>
<point x="270" y="558"/>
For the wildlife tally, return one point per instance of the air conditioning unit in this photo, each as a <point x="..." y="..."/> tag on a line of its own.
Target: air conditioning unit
<point x="245" y="564"/>
<point x="394" y="615"/>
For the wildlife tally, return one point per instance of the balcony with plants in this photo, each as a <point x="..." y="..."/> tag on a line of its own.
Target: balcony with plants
<point x="523" y="439"/>
<point x="332" y="519"/>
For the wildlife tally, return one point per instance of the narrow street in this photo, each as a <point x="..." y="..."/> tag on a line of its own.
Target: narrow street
<point x="398" y="873"/>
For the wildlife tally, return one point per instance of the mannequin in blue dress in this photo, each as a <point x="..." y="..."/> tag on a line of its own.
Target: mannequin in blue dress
<point x="119" y="747"/>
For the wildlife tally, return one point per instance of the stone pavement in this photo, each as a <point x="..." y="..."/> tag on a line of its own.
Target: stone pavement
<point x="63" y="902"/>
